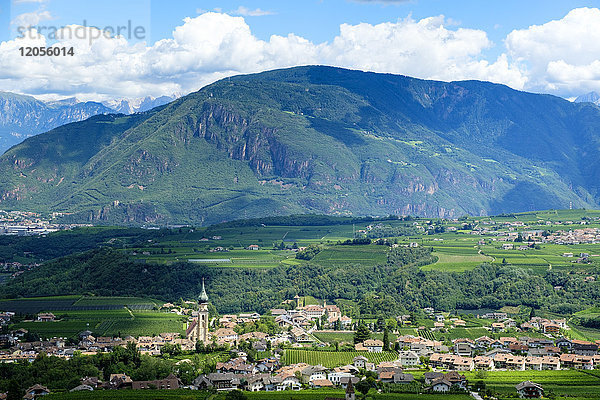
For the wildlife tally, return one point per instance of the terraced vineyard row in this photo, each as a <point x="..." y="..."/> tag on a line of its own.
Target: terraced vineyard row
<point x="332" y="359"/>
<point x="426" y="334"/>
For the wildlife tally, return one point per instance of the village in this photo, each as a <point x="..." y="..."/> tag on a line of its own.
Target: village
<point x="412" y="361"/>
<point x="25" y="223"/>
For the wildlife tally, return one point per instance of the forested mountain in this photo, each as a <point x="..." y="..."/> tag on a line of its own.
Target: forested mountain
<point x="314" y="139"/>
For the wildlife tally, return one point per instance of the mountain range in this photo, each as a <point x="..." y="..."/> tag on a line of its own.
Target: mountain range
<point x="130" y="106"/>
<point x="591" y="97"/>
<point x="25" y="116"/>
<point x="314" y="139"/>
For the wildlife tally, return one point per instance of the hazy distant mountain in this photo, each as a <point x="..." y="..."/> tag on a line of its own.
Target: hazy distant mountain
<point x="591" y="97"/>
<point x="24" y="116"/>
<point x="130" y="106"/>
<point x="315" y="139"/>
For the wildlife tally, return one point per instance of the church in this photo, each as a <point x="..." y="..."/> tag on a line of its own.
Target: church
<point x="198" y="329"/>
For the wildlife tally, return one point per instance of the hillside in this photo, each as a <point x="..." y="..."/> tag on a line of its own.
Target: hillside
<point x="314" y="139"/>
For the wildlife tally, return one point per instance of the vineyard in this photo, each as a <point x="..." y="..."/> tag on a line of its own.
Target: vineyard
<point x="427" y="334"/>
<point x="583" y="384"/>
<point x="112" y="322"/>
<point x="76" y="303"/>
<point x="332" y="359"/>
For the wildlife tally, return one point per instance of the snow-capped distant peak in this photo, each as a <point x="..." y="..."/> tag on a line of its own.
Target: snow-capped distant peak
<point x="591" y="97"/>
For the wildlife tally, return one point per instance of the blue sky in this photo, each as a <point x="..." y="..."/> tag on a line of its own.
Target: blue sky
<point x="479" y="29"/>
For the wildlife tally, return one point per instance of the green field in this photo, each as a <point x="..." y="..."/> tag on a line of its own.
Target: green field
<point x="456" y="262"/>
<point x="34" y="305"/>
<point x="333" y="358"/>
<point x="37" y="304"/>
<point x="121" y="322"/>
<point x="577" y="383"/>
<point x="99" y="301"/>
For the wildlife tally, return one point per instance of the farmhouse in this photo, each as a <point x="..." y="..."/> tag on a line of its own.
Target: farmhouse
<point x="300" y="335"/>
<point x="35" y="391"/>
<point x="551" y="328"/>
<point x="314" y="372"/>
<point x="483" y="362"/>
<point x="360" y="361"/>
<point x="373" y="345"/>
<point x="170" y="382"/>
<point x="46" y="317"/>
<point x="581" y="347"/>
<point x="408" y="358"/>
<point x="225" y="335"/>
<point x="217" y="381"/>
<point x="529" y="390"/>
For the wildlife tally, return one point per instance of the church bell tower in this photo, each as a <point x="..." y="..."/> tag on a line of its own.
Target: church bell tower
<point x="202" y="322"/>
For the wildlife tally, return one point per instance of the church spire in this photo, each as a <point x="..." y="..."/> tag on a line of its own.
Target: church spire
<point x="350" y="395"/>
<point x="203" y="298"/>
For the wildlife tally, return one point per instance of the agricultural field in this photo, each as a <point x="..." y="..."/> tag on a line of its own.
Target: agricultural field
<point x="35" y="305"/>
<point x="456" y="259"/>
<point x="333" y="358"/>
<point x="99" y="301"/>
<point x="331" y="337"/>
<point x="576" y="383"/>
<point x="116" y="322"/>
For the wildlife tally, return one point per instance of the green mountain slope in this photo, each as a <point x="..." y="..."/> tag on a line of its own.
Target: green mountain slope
<point x="314" y="139"/>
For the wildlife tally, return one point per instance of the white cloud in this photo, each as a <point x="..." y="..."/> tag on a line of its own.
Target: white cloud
<point x="246" y="12"/>
<point x="559" y="57"/>
<point x="29" y="19"/>
<point x="29" y="1"/>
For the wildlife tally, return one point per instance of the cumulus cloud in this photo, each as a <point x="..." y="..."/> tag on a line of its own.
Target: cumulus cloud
<point x="29" y="19"/>
<point x="557" y="57"/>
<point x="560" y="56"/>
<point x="425" y="49"/>
<point x="214" y="45"/>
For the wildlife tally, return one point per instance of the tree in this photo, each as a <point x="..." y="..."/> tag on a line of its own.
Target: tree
<point x="386" y="339"/>
<point x="363" y="386"/>
<point x="235" y="395"/>
<point x="362" y="333"/>
<point x="15" y="392"/>
<point x="479" y="386"/>
<point x="366" y="384"/>
<point x="380" y="325"/>
<point x="338" y="325"/>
